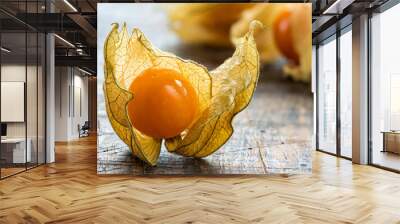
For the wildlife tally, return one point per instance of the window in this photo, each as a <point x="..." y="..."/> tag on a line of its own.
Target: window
<point x="385" y="89"/>
<point x="327" y="96"/>
<point x="346" y="93"/>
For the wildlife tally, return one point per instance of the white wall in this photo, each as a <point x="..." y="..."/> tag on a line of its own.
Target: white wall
<point x="33" y="127"/>
<point x="61" y="103"/>
<point x="70" y="84"/>
<point x="12" y="73"/>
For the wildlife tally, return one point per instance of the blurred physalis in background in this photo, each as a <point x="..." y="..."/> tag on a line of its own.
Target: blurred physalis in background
<point x="287" y="32"/>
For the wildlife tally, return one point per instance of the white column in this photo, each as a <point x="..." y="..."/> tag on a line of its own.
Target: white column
<point x="360" y="90"/>
<point x="50" y="99"/>
<point x="50" y="92"/>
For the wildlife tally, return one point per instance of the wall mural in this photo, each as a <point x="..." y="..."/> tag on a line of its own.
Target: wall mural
<point x="175" y="80"/>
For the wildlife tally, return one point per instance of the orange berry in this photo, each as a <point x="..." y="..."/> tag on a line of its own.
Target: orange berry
<point x="164" y="103"/>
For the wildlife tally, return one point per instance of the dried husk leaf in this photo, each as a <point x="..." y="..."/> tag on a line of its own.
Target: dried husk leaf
<point x="233" y="85"/>
<point x="265" y="13"/>
<point x="125" y="58"/>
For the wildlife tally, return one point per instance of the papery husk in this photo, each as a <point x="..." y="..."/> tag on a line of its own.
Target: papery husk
<point x="222" y="93"/>
<point x="205" y="23"/>
<point x="233" y="85"/>
<point x="126" y="56"/>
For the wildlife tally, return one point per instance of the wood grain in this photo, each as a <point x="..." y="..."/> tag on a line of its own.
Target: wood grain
<point x="272" y="135"/>
<point x="70" y="191"/>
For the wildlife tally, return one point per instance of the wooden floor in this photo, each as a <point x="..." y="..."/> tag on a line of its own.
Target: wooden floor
<point x="69" y="191"/>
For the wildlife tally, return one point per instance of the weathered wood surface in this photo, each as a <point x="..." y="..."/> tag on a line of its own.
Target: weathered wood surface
<point x="273" y="135"/>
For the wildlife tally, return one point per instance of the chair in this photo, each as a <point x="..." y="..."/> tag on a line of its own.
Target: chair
<point x="84" y="130"/>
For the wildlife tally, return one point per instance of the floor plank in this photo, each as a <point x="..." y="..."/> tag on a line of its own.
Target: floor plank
<point x="70" y="191"/>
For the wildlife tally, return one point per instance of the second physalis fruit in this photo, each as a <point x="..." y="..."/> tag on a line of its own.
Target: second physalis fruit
<point x="288" y="32"/>
<point x="153" y="96"/>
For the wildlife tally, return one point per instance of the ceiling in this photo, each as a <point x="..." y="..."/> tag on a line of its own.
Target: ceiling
<point x="75" y="23"/>
<point x="329" y="16"/>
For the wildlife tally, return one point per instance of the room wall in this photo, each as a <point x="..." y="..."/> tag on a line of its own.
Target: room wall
<point x="17" y="73"/>
<point x="80" y="109"/>
<point x="71" y="102"/>
<point x="34" y="124"/>
<point x="14" y="73"/>
<point x="62" y="81"/>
